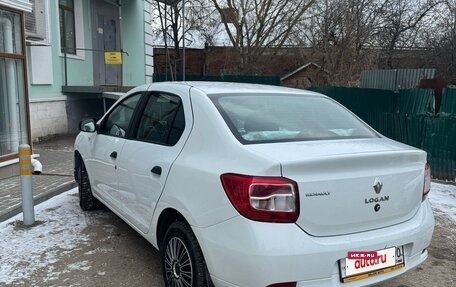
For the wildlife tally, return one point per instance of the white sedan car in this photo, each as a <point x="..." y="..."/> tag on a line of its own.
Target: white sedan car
<point x="260" y="186"/>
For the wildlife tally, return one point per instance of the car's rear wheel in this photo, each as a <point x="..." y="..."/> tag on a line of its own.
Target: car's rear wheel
<point x="182" y="260"/>
<point x="86" y="199"/>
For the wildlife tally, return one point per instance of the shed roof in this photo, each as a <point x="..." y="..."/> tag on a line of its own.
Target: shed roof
<point x="302" y="68"/>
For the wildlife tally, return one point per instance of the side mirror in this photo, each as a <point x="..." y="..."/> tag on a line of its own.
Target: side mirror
<point x="87" y="125"/>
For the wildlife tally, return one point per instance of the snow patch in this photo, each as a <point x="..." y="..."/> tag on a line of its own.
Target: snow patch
<point x="58" y="230"/>
<point x="83" y="265"/>
<point x="99" y="250"/>
<point x="443" y="199"/>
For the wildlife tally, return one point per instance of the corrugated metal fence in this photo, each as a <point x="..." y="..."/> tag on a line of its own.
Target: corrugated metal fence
<point x="395" y="80"/>
<point x="407" y="116"/>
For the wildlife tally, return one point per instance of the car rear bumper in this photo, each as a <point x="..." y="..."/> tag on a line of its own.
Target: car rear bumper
<point x="241" y="252"/>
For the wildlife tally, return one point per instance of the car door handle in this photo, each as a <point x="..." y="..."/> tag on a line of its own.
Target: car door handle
<point x="157" y="170"/>
<point x="113" y="154"/>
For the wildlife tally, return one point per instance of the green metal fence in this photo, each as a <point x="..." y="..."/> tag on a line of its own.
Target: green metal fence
<point x="415" y="101"/>
<point x="439" y="141"/>
<point x="408" y="117"/>
<point x="266" y="80"/>
<point x="448" y="107"/>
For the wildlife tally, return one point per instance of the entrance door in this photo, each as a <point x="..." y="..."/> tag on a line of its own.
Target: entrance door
<point x="106" y="37"/>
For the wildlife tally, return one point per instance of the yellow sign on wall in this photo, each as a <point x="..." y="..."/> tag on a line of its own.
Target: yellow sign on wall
<point x="113" y="58"/>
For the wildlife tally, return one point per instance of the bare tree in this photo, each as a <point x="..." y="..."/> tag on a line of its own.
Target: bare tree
<point x="254" y="26"/>
<point x="441" y="38"/>
<point x="402" y="21"/>
<point x="342" y="35"/>
<point x="347" y="36"/>
<point x="199" y="23"/>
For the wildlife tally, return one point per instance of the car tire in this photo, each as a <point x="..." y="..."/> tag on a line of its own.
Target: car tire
<point x="182" y="260"/>
<point x="86" y="199"/>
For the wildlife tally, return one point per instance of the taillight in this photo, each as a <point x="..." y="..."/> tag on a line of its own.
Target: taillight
<point x="427" y="180"/>
<point x="267" y="199"/>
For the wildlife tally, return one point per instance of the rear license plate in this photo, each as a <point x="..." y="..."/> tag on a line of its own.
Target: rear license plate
<point x="387" y="260"/>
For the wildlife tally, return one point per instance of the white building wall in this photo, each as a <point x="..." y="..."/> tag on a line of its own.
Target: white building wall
<point x="148" y="41"/>
<point x="48" y="117"/>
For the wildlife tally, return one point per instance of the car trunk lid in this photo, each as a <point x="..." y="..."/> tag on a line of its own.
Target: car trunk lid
<point x="349" y="186"/>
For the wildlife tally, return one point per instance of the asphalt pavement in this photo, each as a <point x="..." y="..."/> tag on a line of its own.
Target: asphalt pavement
<point x="56" y="156"/>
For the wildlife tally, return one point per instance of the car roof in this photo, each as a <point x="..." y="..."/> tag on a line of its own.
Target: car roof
<point x="217" y="88"/>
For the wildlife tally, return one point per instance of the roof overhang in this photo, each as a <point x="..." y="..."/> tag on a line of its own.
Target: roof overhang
<point x="94" y="90"/>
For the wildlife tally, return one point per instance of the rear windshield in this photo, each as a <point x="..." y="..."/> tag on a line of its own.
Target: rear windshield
<point x="283" y="118"/>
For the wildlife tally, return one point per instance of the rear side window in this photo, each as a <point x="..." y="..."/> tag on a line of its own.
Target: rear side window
<point x="163" y="120"/>
<point x="282" y="118"/>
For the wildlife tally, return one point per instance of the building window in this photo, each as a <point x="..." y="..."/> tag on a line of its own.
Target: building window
<point x="13" y="111"/>
<point x="67" y="27"/>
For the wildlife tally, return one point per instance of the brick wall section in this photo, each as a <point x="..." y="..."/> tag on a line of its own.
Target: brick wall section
<point x="221" y="60"/>
<point x="217" y="61"/>
<point x="194" y="61"/>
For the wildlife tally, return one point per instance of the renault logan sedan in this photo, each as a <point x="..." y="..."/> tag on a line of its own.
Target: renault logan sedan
<point x="251" y="185"/>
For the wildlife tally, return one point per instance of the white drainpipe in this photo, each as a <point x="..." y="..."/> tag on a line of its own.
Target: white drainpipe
<point x="11" y="84"/>
<point x="36" y="166"/>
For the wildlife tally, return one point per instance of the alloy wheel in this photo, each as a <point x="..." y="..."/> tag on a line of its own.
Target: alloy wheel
<point x="178" y="265"/>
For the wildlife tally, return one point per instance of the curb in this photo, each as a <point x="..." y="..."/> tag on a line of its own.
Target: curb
<point x="17" y="208"/>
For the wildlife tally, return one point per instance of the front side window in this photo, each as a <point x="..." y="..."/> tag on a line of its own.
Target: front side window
<point x="67" y="27"/>
<point x="282" y="118"/>
<point x="163" y="120"/>
<point x="118" y="121"/>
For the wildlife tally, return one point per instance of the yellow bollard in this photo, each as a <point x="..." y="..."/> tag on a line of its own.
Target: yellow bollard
<point x="25" y="166"/>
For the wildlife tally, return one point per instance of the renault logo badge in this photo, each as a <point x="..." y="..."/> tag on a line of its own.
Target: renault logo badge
<point x="378" y="185"/>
